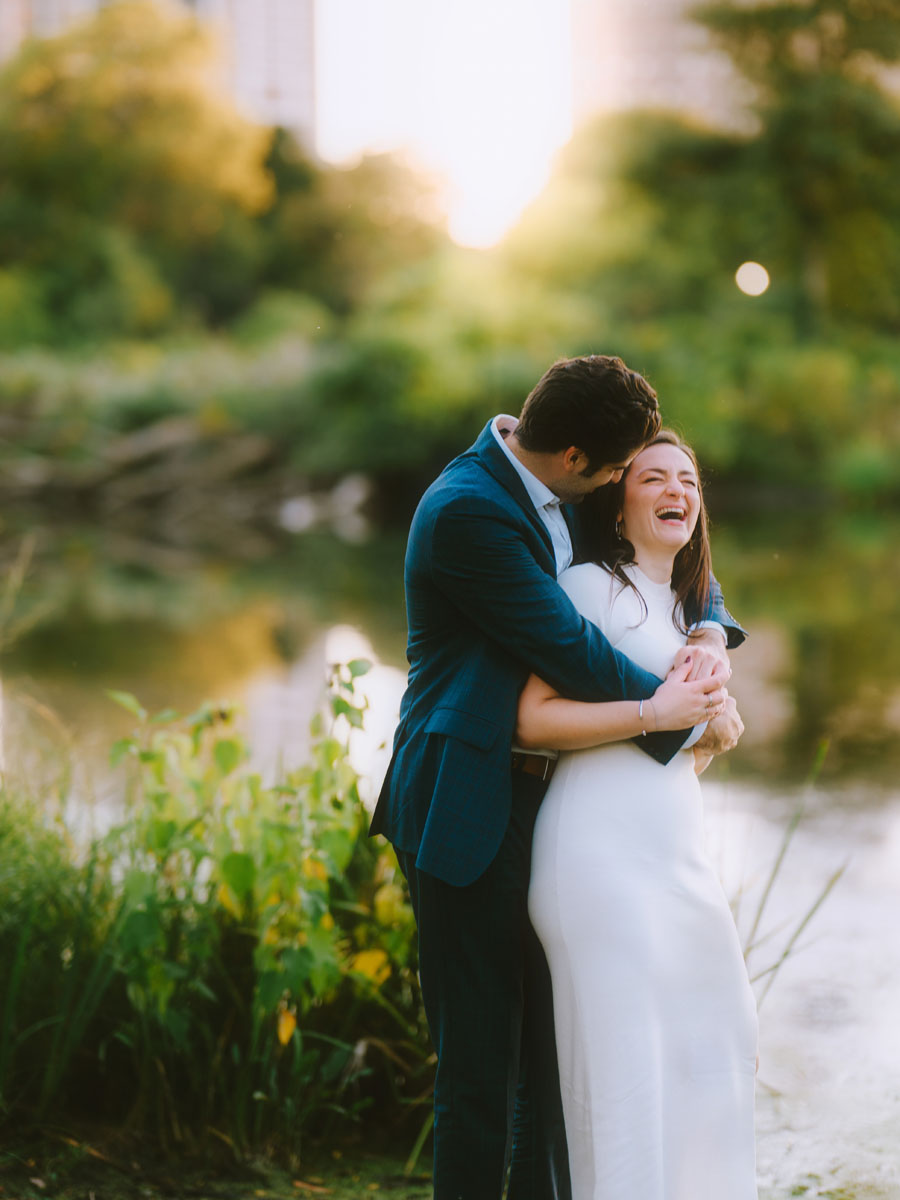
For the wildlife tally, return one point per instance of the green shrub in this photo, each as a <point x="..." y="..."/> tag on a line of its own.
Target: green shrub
<point x="244" y="954"/>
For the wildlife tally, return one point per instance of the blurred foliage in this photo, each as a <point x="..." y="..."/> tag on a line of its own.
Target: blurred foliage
<point x="336" y="233"/>
<point x="129" y="179"/>
<point x="234" y="958"/>
<point x="818" y="592"/>
<point x="650" y="214"/>
<point x="135" y="197"/>
<point x="827" y="146"/>
<point x="169" y="269"/>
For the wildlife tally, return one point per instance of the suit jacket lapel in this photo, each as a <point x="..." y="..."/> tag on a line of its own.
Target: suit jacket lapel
<point x="496" y="462"/>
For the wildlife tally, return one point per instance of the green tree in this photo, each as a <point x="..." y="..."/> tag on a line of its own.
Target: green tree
<point x="336" y="233"/>
<point x="828" y="143"/>
<point x="130" y="183"/>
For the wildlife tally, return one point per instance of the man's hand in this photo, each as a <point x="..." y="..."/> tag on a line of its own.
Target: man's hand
<point x="706" y="650"/>
<point x="723" y="732"/>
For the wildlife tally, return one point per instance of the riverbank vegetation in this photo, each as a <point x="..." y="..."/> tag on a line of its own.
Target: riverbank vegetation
<point x="228" y="969"/>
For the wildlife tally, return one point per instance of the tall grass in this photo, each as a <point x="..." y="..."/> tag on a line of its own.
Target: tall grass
<point x="232" y="961"/>
<point x="754" y="940"/>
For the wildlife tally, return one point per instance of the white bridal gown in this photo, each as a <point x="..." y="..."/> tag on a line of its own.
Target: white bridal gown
<point x="655" y="1019"/>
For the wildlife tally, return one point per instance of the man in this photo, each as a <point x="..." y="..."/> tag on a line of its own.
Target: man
<point x="484" y="611"/>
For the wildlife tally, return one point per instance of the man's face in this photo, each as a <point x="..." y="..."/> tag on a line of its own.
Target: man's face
<point x="579" y="481"/>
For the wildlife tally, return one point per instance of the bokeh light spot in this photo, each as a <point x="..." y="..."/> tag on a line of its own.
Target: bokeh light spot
<point x="752" y="278"/>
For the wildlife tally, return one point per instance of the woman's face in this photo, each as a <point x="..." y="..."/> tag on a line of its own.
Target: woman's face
<point x="661" y="501"/>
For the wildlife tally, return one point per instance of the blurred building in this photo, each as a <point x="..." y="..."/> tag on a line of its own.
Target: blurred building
<point x="269" y="44"/>
<point x="648" y="54"/>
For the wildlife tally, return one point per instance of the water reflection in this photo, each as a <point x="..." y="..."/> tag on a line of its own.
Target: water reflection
<point x="823" y="596"/>
<point x="820" y="598"/>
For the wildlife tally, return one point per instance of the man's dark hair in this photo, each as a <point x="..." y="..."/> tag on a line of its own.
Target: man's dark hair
<point x="595" y="403"/>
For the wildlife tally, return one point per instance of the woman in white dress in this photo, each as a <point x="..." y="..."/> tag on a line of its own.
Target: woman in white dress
<point x="655" y="1019"/>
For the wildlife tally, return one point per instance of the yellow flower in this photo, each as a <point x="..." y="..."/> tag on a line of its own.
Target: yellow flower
<point x="287" y="1023"/>
<point x="371" y="963"/>
<point x="388" y="904"/>
<point x="327" y="921"/>
<point x="313" y="869"/>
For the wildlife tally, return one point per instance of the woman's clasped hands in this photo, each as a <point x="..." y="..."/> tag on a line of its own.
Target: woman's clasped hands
<point x="680" y="702"/>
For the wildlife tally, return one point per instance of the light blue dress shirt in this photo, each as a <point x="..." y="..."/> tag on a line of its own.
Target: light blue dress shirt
<point x="546" y="502"/>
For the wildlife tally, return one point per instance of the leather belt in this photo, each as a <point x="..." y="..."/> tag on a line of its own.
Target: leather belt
<point x="534" y="764"/>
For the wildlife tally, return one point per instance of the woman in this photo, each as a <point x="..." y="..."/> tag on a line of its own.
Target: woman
<point x="655" y="1019"/>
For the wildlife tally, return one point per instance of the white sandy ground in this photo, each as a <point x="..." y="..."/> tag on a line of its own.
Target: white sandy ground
<point x="828" y="1111"/>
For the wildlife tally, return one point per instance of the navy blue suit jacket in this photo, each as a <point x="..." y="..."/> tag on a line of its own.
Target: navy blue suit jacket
<point x="484" y="612"/>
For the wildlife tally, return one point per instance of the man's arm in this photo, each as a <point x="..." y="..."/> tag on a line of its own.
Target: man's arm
<point x="717" y="615"/>
<point x="710" y="639"/>
<point x="482" y="563"/>
<point x="721" y="735"/>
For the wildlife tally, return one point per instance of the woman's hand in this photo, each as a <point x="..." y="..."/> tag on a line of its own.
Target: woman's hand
<point x="679" y="702"/>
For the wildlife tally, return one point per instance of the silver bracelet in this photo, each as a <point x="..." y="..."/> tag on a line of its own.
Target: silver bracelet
<point x="641" y="718"/>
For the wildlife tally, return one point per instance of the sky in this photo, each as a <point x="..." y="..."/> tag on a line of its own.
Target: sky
<point x="476" y="91"/>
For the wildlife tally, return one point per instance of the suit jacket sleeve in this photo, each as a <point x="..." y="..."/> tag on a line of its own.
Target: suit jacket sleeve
<point x="482" y="563"/>
<point x="716" y="611"/>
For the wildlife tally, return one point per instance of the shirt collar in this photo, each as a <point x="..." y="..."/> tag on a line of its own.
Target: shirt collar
<point x="538" y="493"/>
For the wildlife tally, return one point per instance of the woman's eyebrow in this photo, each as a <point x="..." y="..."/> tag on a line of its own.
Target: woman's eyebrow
<point x="691" y="474"/>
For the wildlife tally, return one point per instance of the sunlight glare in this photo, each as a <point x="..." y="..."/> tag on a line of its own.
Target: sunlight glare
<point x="479" y="94"/>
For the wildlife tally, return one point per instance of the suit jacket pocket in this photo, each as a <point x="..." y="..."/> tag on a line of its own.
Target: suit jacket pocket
<point x="453" y="722"/>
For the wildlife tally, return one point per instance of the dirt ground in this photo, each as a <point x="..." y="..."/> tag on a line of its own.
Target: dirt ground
<point x="61" y="1168"/>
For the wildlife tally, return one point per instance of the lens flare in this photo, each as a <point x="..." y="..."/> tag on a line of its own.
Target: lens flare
<point x="752" y="278"/>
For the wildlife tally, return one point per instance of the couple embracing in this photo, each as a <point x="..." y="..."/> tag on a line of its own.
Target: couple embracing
<point x="581" y="973"/>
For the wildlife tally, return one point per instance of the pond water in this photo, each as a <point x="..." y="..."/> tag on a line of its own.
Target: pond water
<point x="819" y="594"/>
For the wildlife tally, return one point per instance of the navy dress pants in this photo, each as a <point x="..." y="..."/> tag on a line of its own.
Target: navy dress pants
<point x="487" y="997"/>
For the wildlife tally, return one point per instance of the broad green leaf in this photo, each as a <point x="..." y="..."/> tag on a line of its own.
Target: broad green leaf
<point x="228" y="753"/>
<point x="119" y="749"/>
<point x="359" y="666"/>
<point x="129" y="702"/>
<point x="138" y="886"/>
<point x="140" y="932"/>
<point x="335" y="1063"/>
<point x="239" y="872"/>
<point x="164" y="717"/>
<point x="161" y="834"/>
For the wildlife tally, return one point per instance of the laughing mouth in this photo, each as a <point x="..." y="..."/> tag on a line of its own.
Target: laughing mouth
<point x="671" y="514"/>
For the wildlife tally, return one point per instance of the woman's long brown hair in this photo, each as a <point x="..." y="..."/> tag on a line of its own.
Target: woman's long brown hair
<point x="604" y="545"/>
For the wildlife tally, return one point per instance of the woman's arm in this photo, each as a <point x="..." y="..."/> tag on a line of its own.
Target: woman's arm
<point x="547" y="719"/>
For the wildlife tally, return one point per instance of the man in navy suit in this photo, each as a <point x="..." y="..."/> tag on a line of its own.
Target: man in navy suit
<point x="484" y="610"/>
